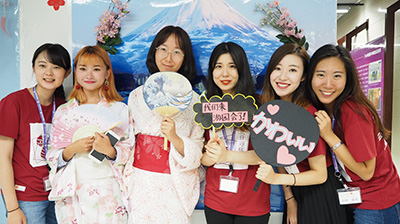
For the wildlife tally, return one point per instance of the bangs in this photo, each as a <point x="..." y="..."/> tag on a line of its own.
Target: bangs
<point x="54" y="58"/>
<point x="57" y="56"/>
<point x="90" y="58"/>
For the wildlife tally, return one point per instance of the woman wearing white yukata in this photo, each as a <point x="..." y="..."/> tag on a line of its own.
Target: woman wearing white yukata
<point x="163" y="185"/>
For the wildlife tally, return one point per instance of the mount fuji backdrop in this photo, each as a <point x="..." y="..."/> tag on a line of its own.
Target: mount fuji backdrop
<point x="208" y="23"/>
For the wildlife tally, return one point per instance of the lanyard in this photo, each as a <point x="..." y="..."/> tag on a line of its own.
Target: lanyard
<point x="45" y="140"/>
<point x="230" y="146"/>
<point x="334" y="160"/>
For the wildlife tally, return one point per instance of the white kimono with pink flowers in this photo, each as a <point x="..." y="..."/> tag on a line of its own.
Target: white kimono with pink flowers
<point x="164" y="197"/>
<point x="83" y="190"/>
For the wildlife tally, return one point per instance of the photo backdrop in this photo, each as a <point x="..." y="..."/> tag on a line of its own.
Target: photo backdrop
<point x="208" y="23"/>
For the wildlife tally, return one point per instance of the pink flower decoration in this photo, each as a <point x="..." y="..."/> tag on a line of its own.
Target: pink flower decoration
<point x="56" y="3"/>
<point x="107" y="31"/>
<point x="279" y="18"/>
<point x="275" y="3"/>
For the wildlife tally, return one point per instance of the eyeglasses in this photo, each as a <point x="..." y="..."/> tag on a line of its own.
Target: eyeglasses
<point x="177" y="55"/>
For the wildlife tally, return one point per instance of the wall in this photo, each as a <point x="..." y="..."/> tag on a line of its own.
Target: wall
<point x="9" y="60"/>
<point x="39" y="23"/>
<point x="357" y="16"/>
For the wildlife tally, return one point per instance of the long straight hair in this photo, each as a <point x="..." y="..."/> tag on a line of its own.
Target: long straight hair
<point x="96" y="53"/>
<point x="299" y="96"/>
<point x="352" y="90"/>
<point x="58" y="55"/>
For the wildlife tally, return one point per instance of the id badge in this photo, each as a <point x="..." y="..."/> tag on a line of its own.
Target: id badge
<point x="229" y="184"/>
<point x="47" y="184"/>
<point x="292" y="169"/>
<point x="351" y="195"/>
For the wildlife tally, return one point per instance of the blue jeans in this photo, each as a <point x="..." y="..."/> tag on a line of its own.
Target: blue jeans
<point x="39" y="212"/>
<point x="390" y="215"/>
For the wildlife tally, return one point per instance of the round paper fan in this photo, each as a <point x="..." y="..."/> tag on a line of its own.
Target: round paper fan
<point x="81" y="122"/>
<point x="167" y="93"/>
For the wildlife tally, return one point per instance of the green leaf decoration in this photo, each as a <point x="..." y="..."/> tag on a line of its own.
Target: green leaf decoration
<point x="306" y="46"/>
<point x="303" y="40"/>
<point x="113" y="50"/>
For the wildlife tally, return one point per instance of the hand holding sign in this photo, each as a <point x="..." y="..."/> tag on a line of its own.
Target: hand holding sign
<point x="283" y="133"/>
<point x="225" y="111"/>
<point x="167" y="93"/>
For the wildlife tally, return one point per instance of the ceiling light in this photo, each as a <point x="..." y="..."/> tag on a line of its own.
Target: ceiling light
<point x="342" y="9"/>
<point x="381" y="10"/>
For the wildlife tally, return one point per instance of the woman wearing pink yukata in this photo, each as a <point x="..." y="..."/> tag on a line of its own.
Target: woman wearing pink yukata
<point x="163" y="186"/>
<point x="87" y="184"/>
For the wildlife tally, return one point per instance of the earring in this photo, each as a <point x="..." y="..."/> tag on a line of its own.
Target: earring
<point x="77" y="87"/>
<point x="106" y="85"/>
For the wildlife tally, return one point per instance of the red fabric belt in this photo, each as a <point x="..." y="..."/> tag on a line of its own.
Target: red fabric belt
<point x="150" y="154"/>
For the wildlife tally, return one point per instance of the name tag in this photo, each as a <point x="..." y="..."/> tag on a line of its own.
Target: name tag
<point x="19" y="188"/>
<point x="229" y="184"/>
<point x="47" y="184"/>
<point x="349" y="196"/>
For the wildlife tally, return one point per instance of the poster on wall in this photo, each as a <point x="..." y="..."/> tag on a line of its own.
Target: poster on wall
<point x="369" y="61"/>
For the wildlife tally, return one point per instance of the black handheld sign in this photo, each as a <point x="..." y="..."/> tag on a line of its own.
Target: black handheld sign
<point x="283" y="133"/>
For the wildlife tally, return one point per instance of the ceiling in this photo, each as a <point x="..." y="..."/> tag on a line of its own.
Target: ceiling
<point x="347" y="4"/>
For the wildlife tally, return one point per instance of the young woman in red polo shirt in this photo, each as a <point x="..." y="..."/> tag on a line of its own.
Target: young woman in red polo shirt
<point x="26" y="118"/>
<point x="357" y="136"/>
<point x="229" y="72"/>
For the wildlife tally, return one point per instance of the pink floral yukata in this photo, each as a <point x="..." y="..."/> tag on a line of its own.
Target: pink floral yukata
<point x="84" y="191"/>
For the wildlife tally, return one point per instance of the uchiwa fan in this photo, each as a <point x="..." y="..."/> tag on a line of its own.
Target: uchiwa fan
<point x="83" y="121"/>
<point x="167" y="93"/>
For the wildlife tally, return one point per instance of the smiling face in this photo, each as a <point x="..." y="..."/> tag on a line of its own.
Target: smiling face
<point x="91" y="73"/>
<point x="329" y="80"/>
<point x="225" y="74"/>
<point x="286" y="76"/>
<point x="48" y="75"/>
<point x="169" y="62"/>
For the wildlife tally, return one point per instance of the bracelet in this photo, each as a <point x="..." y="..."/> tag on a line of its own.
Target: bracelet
<point x="294" y="179"/>
<point x="337" y="146"/>
<point x="289" y="198"/>
<point x="15" y="209"/>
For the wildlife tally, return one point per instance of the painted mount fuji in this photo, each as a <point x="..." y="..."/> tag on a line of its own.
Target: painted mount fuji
<point x="208" y="23"/>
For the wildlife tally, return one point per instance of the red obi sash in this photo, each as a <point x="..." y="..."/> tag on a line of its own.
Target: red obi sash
<point x="150" y="154"/>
